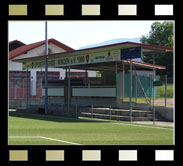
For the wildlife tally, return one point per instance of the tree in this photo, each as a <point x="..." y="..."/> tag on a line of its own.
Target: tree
<point x="161" y="34"/>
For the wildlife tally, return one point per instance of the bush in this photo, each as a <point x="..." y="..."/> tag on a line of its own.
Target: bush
<point x="161" y="91"/>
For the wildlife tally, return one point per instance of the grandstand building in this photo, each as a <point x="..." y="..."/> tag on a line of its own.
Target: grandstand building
<point x="30" y="83"/>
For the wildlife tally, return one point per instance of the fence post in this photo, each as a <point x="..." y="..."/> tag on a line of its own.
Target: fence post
<point x="76" y="110"/>
<point x="23" y="88"/>
<point x="131" y="79"/>
<point x="110" y="112"/>
<point x="165" y="90"/>
<point x="123" y="82"/>
<point x="41" y="88"/>
<point x="154" y="113"/>
<point x="92" y="110"/>
<point x="15" y="92"/>
<point x="150" y="88"/>
<point x="27" y="88"/>
<point x="68" y="78"/>
<point x="116" y="73"/>
<point x="135" y="90"/>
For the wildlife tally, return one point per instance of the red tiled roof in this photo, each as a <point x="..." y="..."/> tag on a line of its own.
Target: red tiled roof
<point x="25" y="48"/>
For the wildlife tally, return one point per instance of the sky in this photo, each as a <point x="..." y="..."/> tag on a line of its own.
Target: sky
<point x="77" y="33"/>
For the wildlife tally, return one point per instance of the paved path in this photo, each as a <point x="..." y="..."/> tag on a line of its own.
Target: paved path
<point x="161" y="102"/>
<point x="158" y="123"/>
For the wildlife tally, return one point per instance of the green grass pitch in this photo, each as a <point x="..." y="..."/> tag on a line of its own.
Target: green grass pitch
<point x="33" y="129"/>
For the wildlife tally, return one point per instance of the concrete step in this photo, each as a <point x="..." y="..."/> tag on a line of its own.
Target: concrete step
<point x="149" y="115"/>
<point x="142" y="118"/>
<point x="104" y="116"/>
<point x="119" y="112"/>
<point x="125" y="105"/>
<point x="114" y="117"/>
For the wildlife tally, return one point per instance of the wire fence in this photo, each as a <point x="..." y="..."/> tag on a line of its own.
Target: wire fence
<point x="142" y="91"/>
<point x="25" y="88"/>
<point x="163" y="92"/>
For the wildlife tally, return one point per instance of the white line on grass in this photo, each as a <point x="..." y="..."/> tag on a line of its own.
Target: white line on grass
<point x="142" y="126"/>
<point x="58" y="140"/>
<point x="24" y="136"/>
<point x="52" y="139"/>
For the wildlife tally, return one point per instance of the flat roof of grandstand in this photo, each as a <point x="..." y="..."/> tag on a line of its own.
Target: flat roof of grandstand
<point x="105" y="65"/>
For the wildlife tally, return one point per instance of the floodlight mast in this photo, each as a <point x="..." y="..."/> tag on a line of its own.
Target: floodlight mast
<point x="46" y="69"/>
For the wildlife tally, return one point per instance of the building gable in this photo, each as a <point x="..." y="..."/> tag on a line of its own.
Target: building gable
<point x="38" y="51"/>
<point x="26" y="48"/>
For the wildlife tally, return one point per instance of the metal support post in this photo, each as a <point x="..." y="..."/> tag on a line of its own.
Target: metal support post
<point x="23" y="88"/>
<point x="116" y="72"/>
<point x="69" y="90"/>
<point x="46" y="70"/>
<point x="135" y="90"/>
<point x="131" y="90"/>
<point x="41" y="81"/>
<point x="92" y="110"/>
<point x="150" y="88"/>
<point x="76" y="111"/>
<point x="15" y="89"/>
<point x="165" y="90"/>
<point x="66" y="74"/>
<point x="85" y="77"/>
<point x="41" y="87"/>
<point x="154" y="115"/>
<point x="110" y="112"/>
<point x="123" y="82"/>
<point x="27" y="89"/>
